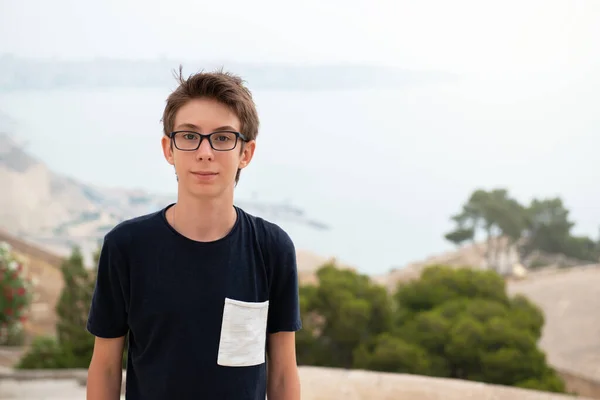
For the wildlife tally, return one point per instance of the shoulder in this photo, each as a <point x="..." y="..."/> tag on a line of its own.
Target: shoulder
<point x="275" y="242"/>
<point x="122" y="234"/>
<point x="269" y="234"/>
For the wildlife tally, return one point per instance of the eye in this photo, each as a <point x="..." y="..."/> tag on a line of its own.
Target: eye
<point x="224" y="137"/>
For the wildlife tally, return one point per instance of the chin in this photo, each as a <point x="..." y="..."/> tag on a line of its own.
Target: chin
<point x="209" y="191"/>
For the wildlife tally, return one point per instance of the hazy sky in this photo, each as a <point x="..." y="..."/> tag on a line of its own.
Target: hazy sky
<point x="522" y="114"/>
<point x="480" y="36"/>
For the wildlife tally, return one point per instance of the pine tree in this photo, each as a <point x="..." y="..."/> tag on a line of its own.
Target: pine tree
<point x="72" y="310"/>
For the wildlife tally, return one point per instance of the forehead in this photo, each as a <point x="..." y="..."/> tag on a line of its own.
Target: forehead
<point x="206" y="115"/>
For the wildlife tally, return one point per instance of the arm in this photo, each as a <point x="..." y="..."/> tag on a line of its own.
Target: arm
<point x="283" y="381"/>
<point x="107" y="321"/>
<point x="105" y="371"/>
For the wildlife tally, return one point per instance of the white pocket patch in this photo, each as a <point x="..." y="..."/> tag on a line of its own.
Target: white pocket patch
<point x="243" y="333"/>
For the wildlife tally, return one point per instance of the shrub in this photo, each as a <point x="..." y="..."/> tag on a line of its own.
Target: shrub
<point x="455" y="323"/>
<point x="45" y="353"/>
<point x="15" y="297"/>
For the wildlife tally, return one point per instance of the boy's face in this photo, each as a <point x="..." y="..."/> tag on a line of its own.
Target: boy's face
<point x="205" y="172"/>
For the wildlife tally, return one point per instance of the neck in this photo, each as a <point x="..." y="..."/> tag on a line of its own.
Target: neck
<point x="202" y="220"/>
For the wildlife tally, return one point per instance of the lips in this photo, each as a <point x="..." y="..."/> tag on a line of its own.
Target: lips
<point x="204" y="173"/>
<point x="204" y="176"/>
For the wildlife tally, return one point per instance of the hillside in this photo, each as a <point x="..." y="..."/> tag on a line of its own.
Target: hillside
<point x="56" y="211"/>
<point x="570" y="298"/>
<point x="474" y="256"/>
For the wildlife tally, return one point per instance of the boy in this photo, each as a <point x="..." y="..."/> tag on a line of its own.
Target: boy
<point x="207" y="293"/>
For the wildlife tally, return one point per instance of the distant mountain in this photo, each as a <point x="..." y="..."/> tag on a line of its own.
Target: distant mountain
<point x="58" y="212"/>
<point x="45" y="74"/>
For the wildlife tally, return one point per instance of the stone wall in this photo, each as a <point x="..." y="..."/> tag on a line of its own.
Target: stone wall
<point x="317" y="384"/>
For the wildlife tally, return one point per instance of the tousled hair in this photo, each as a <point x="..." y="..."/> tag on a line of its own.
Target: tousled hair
<point x="224" y="87"/>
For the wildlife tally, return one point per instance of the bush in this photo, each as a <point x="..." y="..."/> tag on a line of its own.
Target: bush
<point x="72" y="311"/>
<point x="44" y="353"/>
<point x="455" y="323"/>
<point x="15" y="297"/>
<point x="466" y="318"/>
<point x="74" y="345"/>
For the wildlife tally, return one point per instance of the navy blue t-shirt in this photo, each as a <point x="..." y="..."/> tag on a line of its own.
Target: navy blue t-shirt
<point x="198" y="314"/>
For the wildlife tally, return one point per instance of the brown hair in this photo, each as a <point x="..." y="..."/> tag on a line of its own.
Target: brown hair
<point x="221" y="86"/>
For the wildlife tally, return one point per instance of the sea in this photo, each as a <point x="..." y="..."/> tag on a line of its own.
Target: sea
<point x="385" y="170"/>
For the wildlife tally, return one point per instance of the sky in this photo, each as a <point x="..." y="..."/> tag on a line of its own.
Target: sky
<point x="541" y="36"/>
<point x="523" y="113"/>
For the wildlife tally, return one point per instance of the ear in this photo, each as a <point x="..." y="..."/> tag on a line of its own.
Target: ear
<point x="247" y="154"/>
<point x="167" y="149"/>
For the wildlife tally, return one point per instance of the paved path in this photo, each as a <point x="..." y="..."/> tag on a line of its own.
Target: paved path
<point x="318" y="384"/>
<point x="42" y="390"/>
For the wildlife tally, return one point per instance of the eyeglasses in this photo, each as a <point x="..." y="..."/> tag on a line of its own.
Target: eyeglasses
<point x="219" y="141"/>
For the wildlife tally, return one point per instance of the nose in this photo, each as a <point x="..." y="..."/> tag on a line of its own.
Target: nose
<point x="204" y="152"/>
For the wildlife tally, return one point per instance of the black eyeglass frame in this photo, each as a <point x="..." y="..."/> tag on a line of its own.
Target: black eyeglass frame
<point x="238" y="136"/>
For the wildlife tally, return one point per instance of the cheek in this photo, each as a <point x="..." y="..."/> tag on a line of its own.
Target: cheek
<point x="229" y="162"/>
<point x="182" y="161"/>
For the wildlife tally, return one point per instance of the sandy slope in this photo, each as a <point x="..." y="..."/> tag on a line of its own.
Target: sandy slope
<point x="570" y="299"/>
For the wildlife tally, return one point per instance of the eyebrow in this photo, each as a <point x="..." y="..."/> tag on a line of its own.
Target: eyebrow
<point x="197" y="128"/>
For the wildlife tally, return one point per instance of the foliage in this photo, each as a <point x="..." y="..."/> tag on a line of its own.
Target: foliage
<point x="457" y="323"/>
<point x="543" y="225"/>
<point x="73" y="346"/>
<point x="341" y="312"/>
<point x="45" y="353"/>
<point x="72" y="311"/>
<point x="15" y="297"/>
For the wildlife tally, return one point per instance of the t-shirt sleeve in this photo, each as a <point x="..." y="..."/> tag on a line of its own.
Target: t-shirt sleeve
<point x="284" y="304"/>
<point x="108" y="311"/>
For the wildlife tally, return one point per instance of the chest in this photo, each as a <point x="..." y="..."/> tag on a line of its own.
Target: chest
<point x="179" y="287"/>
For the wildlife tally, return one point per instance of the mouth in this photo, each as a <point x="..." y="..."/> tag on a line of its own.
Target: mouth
<point x="204" y="176"/>
<point x="204" y="173"/>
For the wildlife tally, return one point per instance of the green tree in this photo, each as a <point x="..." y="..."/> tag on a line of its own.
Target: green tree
<point x="544" y="225"/>
<point x="548" y="225"/>
<point x="582" y="248"/>
<point x="451" y="322"/>
<point x="549" y="230"/>
<point x="461" y="323"/>
<point x="392" y="354"/>
<point x="72" y="311"/>
<point x="73" y="345"/>
<point x="342" y="311"/>
<point x="493" y="213"/>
